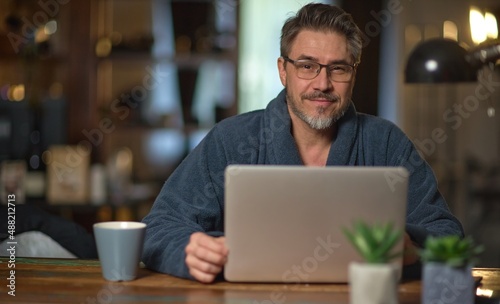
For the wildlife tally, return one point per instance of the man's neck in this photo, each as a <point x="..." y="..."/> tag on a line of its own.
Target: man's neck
<point x="313" y="145"/>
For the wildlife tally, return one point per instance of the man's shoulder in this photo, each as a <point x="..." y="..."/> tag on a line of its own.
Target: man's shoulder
<point x="380" y="128"/>
<point x="245" y="122"/>
<point x="375" y="123"/>
<point x="368" y="119"/>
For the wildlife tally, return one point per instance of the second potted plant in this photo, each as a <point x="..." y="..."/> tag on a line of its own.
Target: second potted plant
<point x="447" y="271"/>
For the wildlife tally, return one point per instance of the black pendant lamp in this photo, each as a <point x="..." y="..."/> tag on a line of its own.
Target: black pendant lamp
<point x="438" y="61"/>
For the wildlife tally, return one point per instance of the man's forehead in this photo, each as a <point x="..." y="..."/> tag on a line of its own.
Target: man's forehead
<point x="310" y="44"/>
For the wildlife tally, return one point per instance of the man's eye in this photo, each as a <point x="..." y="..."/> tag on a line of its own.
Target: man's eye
<point x="306" y="66"/>
<point x="338" y="69"/>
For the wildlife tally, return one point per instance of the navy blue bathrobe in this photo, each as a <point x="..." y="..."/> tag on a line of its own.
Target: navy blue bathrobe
<point x="192" y="199"/>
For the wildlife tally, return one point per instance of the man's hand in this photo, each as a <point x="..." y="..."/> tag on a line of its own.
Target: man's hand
<point x="205" y="256"/>
<point x="410" y="251"/>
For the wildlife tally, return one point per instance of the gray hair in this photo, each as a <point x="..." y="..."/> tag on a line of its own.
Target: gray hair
<point x="326" y="18"/>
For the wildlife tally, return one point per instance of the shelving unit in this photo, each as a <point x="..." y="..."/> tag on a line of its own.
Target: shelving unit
<point x="87" y="68"/>
<point x="167" y="42"/>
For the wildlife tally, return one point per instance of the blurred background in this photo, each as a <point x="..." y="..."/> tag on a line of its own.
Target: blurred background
<point x="101" y="99"/>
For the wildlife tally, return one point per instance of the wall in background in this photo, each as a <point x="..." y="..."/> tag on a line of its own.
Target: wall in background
<point x="449" y="123"/>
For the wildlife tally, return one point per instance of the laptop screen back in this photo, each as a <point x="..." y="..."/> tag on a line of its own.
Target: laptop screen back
<point x="284" y="223"/>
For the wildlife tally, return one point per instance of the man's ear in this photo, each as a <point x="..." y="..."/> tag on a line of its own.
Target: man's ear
<point x="282" y="70"/>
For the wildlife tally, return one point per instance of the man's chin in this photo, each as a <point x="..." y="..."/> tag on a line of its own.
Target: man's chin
<point x="320" y="123"/>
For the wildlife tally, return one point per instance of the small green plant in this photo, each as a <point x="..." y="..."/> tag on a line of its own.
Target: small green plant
<point x="451" y="250"/>
<point x="374" y="243"/>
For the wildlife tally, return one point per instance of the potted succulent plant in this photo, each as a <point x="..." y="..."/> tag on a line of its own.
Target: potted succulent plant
<point x="447" y="271"/>
<point x="374" y="281"/>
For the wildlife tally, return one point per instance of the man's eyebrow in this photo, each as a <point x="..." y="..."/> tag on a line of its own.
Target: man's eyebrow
<point x="306" y="57"/>
<point x="339" y="61"/>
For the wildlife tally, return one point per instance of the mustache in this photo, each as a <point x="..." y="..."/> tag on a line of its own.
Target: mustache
<point x="322" y="95"/>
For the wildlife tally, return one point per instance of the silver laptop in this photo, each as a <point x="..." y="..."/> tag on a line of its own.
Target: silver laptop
<point x="284" y="223"/>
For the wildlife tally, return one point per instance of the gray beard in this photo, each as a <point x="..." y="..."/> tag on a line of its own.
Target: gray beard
<point x="316" y="122"/>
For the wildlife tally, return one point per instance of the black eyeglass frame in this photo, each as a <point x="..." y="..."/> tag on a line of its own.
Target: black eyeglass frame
<point x="326" y="66"/>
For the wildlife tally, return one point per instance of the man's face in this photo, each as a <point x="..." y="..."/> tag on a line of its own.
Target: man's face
<point x="317" y="102"/>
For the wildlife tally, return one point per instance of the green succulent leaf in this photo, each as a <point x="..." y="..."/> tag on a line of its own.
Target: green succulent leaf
<point x="452" y="250"/>
<point x="374" y="243"/>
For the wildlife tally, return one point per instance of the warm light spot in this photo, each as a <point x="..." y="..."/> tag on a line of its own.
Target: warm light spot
<point x="491" y="112"/>
<point x="482" y="26"/>
<point x="477" y="25"/>
<point x="450" y="30"/>
<point x="41" y="35"/>
<point x="124" y="160"/>
<point x="16" y="92"/>
<point x="50" y="28"/>
<point x="484" y="292"/>
<point x="491" y="26"/>
<point x="103" y="47"/>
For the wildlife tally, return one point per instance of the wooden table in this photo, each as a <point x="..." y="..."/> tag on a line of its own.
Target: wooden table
<point x="80" y="281"/>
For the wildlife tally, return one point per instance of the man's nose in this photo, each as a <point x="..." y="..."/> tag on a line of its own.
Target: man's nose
<point x="322" y="82"/>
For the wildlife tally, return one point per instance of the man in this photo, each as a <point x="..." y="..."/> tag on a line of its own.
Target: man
<point x="312" y="122"/>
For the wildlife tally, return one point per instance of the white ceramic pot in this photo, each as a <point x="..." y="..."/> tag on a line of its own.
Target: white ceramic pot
<point x="373" y="283"/>
<point x="442" y="284"/>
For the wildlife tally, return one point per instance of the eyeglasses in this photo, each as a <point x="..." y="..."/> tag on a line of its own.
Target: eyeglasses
<point x="308" y="69"/>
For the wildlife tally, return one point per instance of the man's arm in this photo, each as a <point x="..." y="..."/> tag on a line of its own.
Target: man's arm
<point x="428" y="212"/>
<point x="190" y="201"/>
